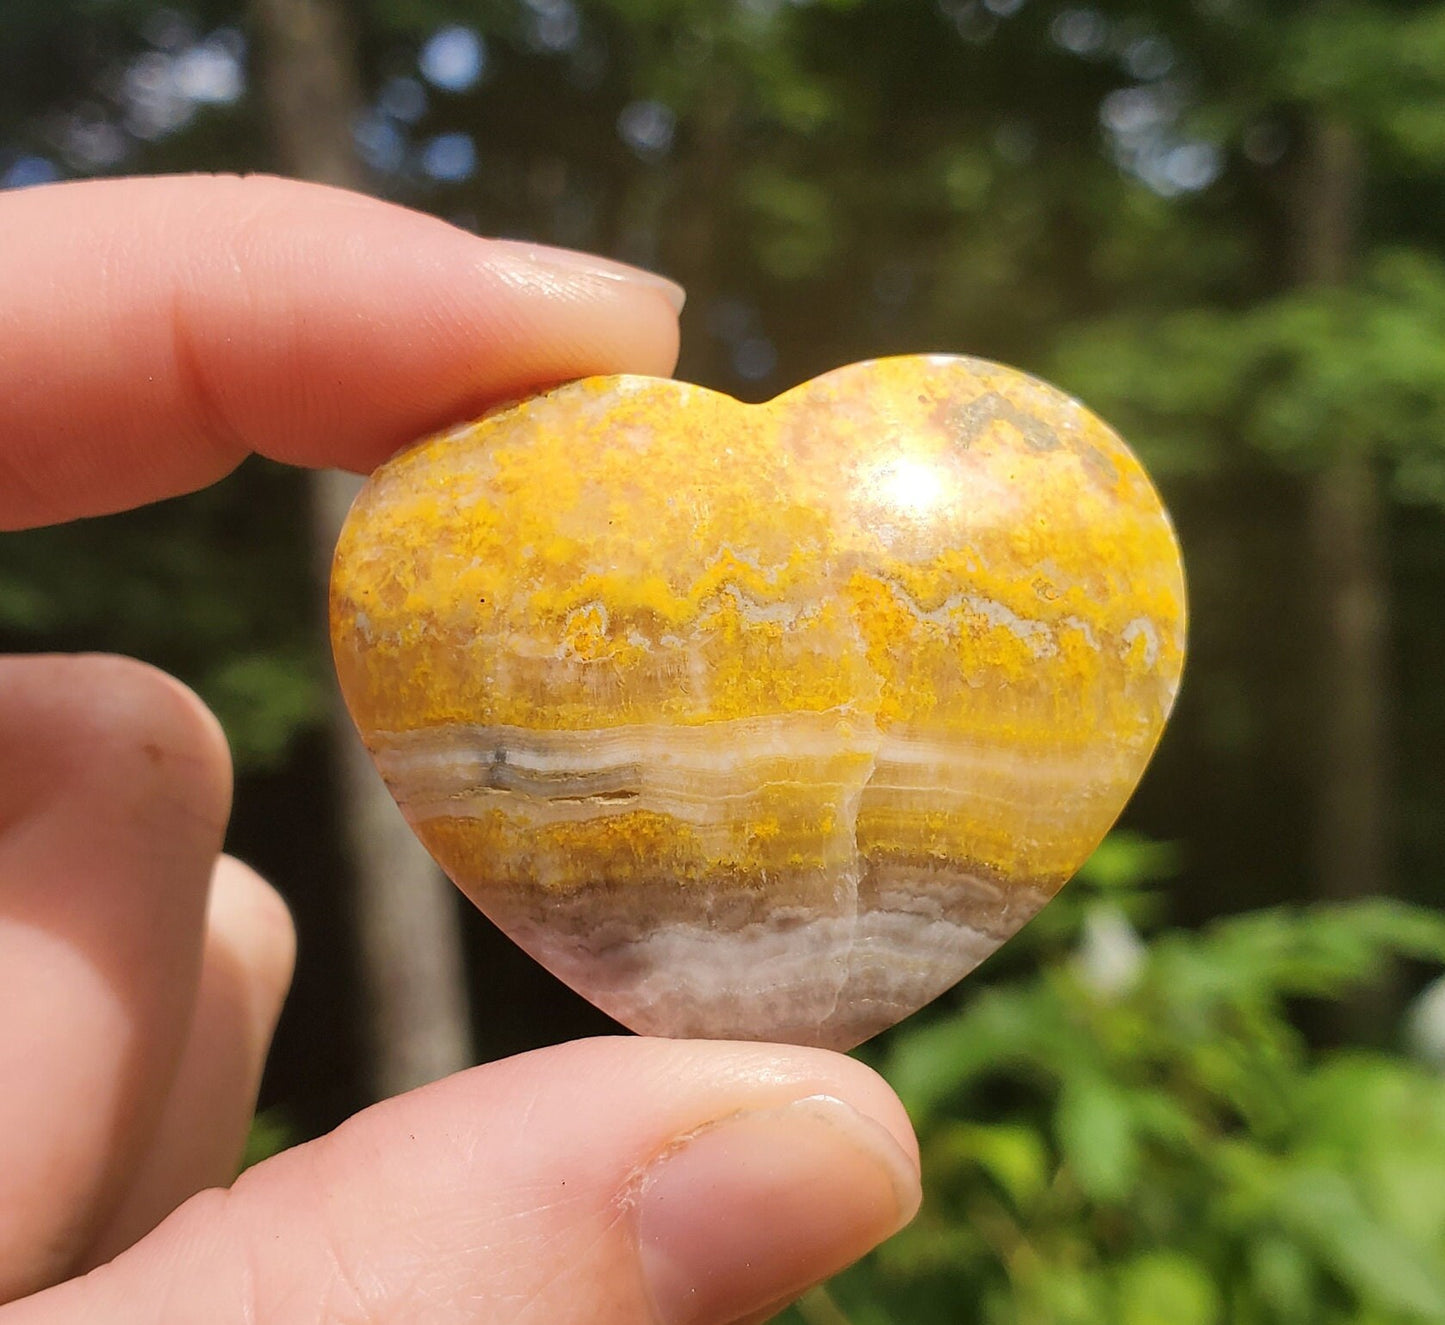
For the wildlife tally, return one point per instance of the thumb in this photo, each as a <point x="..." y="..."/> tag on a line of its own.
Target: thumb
<point x="607" y="1182"/>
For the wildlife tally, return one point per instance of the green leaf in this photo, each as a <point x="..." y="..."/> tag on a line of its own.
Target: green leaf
<point x="271" y="1132"/>
<point x="264" y="701"/>
<point x="1002" y="1030"/>
<point x="1284" y="1276"/>
<point x="1167" y="1288"/>
<point x="1323" y="1209"/>
<point x="1013" y="1155"/>
<point x="1097" y="1136"/>
<point x="1130" y="860"/>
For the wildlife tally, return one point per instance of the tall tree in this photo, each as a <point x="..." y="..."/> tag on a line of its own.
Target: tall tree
<point x="1322" y="356"/>
<point x="1347" y="514"/>
<point x="406" y="911"/>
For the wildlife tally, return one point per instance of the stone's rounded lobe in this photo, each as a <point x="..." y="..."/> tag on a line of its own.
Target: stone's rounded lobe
<point x="764" y="721"/>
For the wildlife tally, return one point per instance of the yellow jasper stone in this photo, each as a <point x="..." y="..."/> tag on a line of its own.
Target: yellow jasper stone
<point x="763" y="721"/>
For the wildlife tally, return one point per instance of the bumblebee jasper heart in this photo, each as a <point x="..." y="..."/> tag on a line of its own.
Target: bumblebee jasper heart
<point x="763" y="721"/>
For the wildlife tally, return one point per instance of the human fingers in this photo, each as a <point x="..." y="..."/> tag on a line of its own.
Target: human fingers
<point x="605" y="1182"/>
<point x="114" y="789"/>
<point x="250" y="950"/>
<point x="156" y="331"/>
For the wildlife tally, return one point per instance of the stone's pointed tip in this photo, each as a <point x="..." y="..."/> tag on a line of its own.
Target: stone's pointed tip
<point x="764" y="723"/>
<point x="830" y="980"/>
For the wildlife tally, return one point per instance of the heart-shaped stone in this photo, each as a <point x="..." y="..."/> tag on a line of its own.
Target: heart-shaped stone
<point x="763" y="721"/>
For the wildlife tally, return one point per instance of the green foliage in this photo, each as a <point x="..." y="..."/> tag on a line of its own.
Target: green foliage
<point x="214" y="588"/>
<point x="1298" y="378"/>
<point x="794" y="223"/>
<point x="1167" y="1147"/>
<point x="271" y="1133"/>
<point x="1382" y="70"/>
<point x="263" y="700"/>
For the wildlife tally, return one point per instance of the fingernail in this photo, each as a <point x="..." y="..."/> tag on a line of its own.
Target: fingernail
<point x="570" y="261"/>
<point x="753" y="1209"/>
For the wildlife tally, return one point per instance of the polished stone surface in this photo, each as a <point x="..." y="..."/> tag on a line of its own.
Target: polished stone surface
<point x="764" y="721"/>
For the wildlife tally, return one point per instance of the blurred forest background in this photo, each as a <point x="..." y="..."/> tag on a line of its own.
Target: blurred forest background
<point x="1206" y="1085"/>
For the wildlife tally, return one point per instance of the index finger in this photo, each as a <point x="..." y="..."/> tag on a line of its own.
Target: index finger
<point x="153" y="332"/>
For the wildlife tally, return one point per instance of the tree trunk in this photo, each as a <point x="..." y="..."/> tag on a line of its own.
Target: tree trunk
<point x="411" y="959"/>
<point x="1351" y="837"/>
<point x="1350" y="833"/>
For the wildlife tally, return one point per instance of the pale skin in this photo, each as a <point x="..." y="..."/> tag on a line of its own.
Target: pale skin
<point x="152" y="334"/>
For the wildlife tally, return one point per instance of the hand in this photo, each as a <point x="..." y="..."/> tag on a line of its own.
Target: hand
<point x="152" y="333"/>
